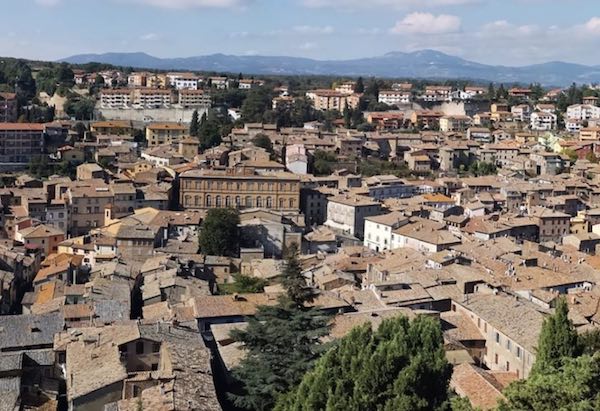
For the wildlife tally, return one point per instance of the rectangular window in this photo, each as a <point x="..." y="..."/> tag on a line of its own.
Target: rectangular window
<point x="497" y="338"/>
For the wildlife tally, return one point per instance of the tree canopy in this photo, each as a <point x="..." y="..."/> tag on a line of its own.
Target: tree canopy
<point x="401" y="366"/>
<point x="575" y="385"/>
<point x="558" y="340"/>
<point x="263" y="141"/>
<point x="281" y="342"/>
<point x="219" y="232"/>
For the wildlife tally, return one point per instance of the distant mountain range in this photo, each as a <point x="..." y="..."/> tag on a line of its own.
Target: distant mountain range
<point x="426" y="64"/>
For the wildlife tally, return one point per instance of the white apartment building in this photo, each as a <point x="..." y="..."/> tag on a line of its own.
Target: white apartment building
<point x="583" y="112"/>
<point x="186" y="83"/>
<point x="378" y="230"/>
<point x="388" y="186"/>
<point x="394" y="97"/>
<point x="115" y="98"/>
<point x="346" y="87"/>
<point x="573" y="125"/>
<point x="541" y="121"/>
<point x="347" y="213"/>
<point x="521" y="112"/>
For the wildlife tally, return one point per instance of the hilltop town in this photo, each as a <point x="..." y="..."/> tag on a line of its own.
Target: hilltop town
<point x="147" y="215"/>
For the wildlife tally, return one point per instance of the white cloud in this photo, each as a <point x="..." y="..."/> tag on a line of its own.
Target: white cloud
<point x="427" y="23"/>
<point x="314" y="29"/>
<point x="149" y="37"/>
<point x="592" y="26"/>
<point x="504" y="28"/>
<point x="309" y="45"/>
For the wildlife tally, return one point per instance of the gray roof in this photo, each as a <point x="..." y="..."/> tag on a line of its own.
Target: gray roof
<point x="194" y="387"/>
<point x="10" y="391"/>
<point x="23" y="332"/>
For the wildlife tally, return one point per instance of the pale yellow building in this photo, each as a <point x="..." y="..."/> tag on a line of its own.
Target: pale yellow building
<point x="239" y="187"/>
<point x="164" y="133"/>
<point x="332" y="100"/>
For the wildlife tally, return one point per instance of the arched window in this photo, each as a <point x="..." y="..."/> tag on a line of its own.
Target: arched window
<point x="188" y="200"/>
<point x="282" y="203"/>
<point x="208" y="201"/>
<point x="259" y="201"/>
<point x="238" y="201"/>
<point x="218" y="201"/>
<point x="269" y="202"/>
<point x="248" y="201"/>
<point x="292" y="202"/>
<point x="197" y="201"/>
<point x="227" y="201"/>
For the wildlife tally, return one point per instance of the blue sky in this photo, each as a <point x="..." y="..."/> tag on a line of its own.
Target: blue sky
<point x="510" y="32"/>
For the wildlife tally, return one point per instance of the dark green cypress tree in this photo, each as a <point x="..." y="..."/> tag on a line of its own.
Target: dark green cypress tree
<point x="558" y="340"/>
<point x="195" y="124"/>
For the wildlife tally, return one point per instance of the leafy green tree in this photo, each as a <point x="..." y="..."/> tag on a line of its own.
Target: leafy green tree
<point x="64" y="75"/>
<point x="461" y="404"/>
<point x="537" y="91"/>
<point x="592" y="157"/>
<point x="263" y="141"/>
<point x="558" y="340"/>
<point x="482" y="168"/>
<point x="243" y="284"/>
<point x="256" y="104"/>
<point x="589" y="341"/>
<point x="80" y="129"/>
<point x="302" y="112"/>
<point x="575" y="385"/>
<point x="211" y="130"/>
<point x="401" y="366"/>
<point x="195" y="124"/>
<point x="219" y="232"/>
<point x="572" y="154"/>
<point x="323" y="163"/>
<point x="16" y="74"/>
<point x="282" y="342"/>
<point x="80" y="108"/>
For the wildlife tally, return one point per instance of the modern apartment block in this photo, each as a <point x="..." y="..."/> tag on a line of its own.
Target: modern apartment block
<point x="194" y="98"/>
<point x="332" y="100"/>
<point x="20" y="143"/>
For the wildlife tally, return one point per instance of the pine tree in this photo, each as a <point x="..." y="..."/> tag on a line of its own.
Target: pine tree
<point x="360" y="86"/>
<point x="491" y="91"/>
<point x="347" y="116"/>
<point x="281" y="343"/>
<point x="195" y="125"/>
<point x="558" y="340"/>
<point x="293" y="280"/>
<point x="401" y="366"/>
